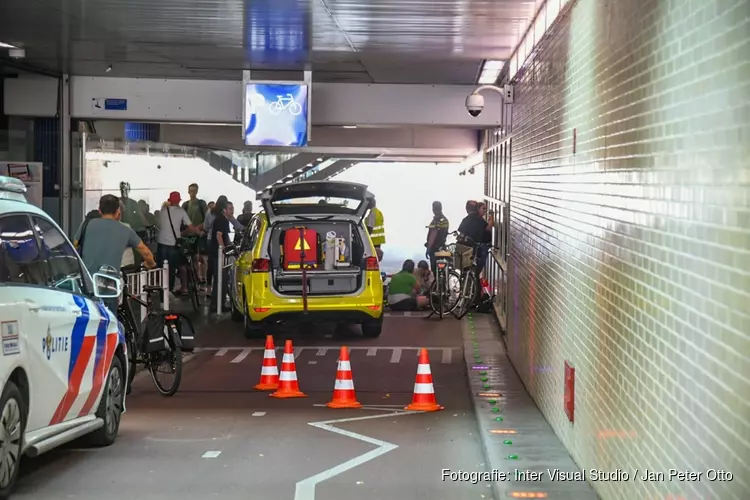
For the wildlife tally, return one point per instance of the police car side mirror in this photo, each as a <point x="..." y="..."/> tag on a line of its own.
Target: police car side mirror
<point x="107" y="286"/>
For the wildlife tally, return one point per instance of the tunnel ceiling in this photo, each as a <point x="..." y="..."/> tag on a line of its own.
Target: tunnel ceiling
<point x="358" y="41"/>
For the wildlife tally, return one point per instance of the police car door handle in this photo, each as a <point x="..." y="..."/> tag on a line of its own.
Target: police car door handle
<point x="75" y="311"/>
<point x="32" y="306"/>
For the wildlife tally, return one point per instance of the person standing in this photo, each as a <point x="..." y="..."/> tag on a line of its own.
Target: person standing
<point x="103" y="240"/>
<point x="436" y="235"/>
<point x="172" y="219"/>
<point x="247" y="214"/>
<point x="219" y="238"/>
<point x="207" y="228"/>
<point x="376" y="227"/>
<point x="197" y="209"/>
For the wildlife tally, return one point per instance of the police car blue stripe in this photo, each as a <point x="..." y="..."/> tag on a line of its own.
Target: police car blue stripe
<point x="101" y="336"/>
<point x="78" y="333"/>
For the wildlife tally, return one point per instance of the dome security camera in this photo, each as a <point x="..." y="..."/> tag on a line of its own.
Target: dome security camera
<point x="475" y="104"/>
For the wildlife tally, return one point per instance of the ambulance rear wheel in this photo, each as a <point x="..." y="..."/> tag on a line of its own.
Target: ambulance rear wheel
<point x="252" y="329"/>
<point x="13" y="422"/>
<point x="372" y="329"/>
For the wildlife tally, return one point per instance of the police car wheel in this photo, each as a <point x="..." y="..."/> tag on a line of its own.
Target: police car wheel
<point x="12" y="427"/>
<point x="110" y="406"/>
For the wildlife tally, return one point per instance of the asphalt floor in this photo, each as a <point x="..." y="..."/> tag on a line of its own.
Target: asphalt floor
<point x="219" y="438"/>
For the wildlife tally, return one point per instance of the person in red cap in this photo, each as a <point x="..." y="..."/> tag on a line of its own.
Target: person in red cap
<point x="173" y="223"/>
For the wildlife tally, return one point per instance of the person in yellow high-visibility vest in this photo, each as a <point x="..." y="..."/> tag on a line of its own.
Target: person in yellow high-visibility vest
<point x="376" y="228"/>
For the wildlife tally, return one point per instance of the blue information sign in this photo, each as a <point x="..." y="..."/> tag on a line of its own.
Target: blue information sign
<point x="116" y="104"/>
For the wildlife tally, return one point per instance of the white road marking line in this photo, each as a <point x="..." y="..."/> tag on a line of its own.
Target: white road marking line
<point x="241" y="356"/>
<point x="221" y="352"/>
<point x="396" y="356"/>
<point x="211" y="454"/>
<point x="305" y="489"/>
<point x="312" y="362"/>
<point x="259" y="413"/>
<point x="322" y="351"/>
<point x="407" y="314"/>
<point x="447" y="353"/>
<point x="372" y="351"/>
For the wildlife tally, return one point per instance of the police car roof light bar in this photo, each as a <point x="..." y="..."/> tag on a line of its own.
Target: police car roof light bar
<point x="12" y="185"/>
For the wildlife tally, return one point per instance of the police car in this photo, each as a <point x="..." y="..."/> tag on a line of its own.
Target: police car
<point x="62" y="365"/>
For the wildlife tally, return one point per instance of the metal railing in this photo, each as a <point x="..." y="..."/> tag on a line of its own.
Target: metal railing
<point x="152" y="277"/>
<point x="223" y="262"/>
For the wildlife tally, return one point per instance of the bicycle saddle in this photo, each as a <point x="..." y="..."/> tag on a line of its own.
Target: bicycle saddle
<point x="152" y="288"/>
<point x="443" y="253"/>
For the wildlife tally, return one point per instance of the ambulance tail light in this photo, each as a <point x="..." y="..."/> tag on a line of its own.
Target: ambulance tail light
<point x="261" y="265"/>
<point x="371" y="264"/>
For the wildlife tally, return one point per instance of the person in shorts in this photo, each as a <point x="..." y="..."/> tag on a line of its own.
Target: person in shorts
<point x="404" y="290"/>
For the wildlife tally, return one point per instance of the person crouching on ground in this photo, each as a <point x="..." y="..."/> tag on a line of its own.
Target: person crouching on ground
<point x="404" y="289"/>
<point x="424" y="276"/>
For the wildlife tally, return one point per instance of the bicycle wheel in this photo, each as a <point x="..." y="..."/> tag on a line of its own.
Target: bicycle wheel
<point x="194" y="289"/>
<point x="468" y="292"/>
<point x="171" y="357"/>
<point x="125" y="316"/>
<point x="435" y="293"/>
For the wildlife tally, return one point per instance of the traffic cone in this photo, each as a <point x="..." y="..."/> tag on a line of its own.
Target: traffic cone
<point x="269" y="373"/>
<point x="288" y="386"/>
<point x="424" y="392"/>
<point x="343" y="390"/>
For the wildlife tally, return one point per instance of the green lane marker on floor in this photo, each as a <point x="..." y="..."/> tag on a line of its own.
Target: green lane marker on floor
<point x="498" y="419"/>
<point x="492" y="401"/>
<point x="484" y="379"/>
<point x="483" y="373"/>
<point x="512" y="457"/>
<point x="486" y="386"/>
<point x="507" y="441"/>
<point x="496" y="410"/>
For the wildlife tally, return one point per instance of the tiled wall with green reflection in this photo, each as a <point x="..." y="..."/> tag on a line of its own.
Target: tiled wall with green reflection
<point x="630" y="254"/>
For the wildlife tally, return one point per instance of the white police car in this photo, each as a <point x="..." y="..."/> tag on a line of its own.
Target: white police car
<point x="62" y="365"/>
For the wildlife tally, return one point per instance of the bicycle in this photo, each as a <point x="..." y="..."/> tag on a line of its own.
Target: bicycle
<point x="447" y="279"/>
<point x="171" y="349"/>
<point x="470" y="279"/>
<point x="193" y="281"/>
<point x="283" y="103"/>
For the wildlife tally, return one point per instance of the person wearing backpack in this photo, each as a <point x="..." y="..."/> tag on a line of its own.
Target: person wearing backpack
<point x="197" y="209"/>
<point x="103" y="240"/>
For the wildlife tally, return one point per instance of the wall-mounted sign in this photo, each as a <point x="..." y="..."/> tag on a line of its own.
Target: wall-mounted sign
<point x="276" y="114"/>
<point x="109" y="104"/>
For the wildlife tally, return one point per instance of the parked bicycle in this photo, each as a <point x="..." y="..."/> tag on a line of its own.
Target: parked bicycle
<point x="157" y="349"/>
<point x="445" y="289"/>
<point x="194" y="290"/>
<point x="470" y="284"/>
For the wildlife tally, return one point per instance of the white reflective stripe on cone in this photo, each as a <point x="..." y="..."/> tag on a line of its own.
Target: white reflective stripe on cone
<point x="423" y="370"/>
<point x="345" y="366"/>
<point x="269" y="370"/>
<point x="288" y="358"/>
<point x="418" y="388"/>
<point x="344" y="385"/>
<point x="269" y="353"/>
<point x="288" y="376"/>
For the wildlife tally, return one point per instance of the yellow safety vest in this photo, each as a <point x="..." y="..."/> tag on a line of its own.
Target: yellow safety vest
<point x="378" y="228"/>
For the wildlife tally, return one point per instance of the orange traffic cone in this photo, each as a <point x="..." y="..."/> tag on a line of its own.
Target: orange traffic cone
<point x="343" y="390"/>
<point x="269" y="373"/>
<point x="288" y="386"/>
<point x="424" y="392"/>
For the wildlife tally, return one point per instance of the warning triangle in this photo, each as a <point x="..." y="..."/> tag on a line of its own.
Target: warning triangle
<point x="302" y="243"/>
